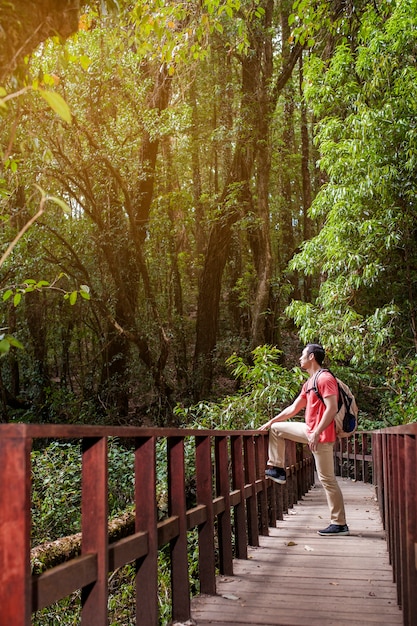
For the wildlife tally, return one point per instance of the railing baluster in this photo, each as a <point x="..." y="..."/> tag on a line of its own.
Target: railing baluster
<point x="206" y="552"/>
<point x="177" y="507"/>
<point x="146" y="521"/>
<point x="387" y="492"/>
<point x="401" y="530"/>
<point x="260" y="475"/>
<point x="224" y="524"/>
<point x="251" y="501"/>
<point x="410" y="463"/>
<point x="94" y="510"/>
<point x="239" y="510"/>
<point x="15" y="579"/>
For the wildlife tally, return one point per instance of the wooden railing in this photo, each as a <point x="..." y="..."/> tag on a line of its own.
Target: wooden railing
<point x="395" y="468"/>
<point x="388" y="458"/>
<point x="234" y="505"/>
<point x="353" y="457"/>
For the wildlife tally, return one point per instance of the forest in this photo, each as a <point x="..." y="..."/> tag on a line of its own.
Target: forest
<point x="190" y="191"/>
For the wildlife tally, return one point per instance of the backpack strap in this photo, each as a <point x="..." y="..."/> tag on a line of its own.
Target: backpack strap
<point x="315" y="387"/>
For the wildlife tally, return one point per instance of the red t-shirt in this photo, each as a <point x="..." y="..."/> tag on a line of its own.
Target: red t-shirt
<point x="327" y="386"/>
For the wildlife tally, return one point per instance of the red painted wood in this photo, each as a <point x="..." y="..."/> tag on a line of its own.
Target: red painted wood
<point x="224" y="524"/>
<point x="62" y="580"/>
<point x="15" y="582"/>
<point x="177" y="507"/>
<point x="410" y="565"/>
<point x="94" y="521"/>
<point x="238" y="483"/>
<point x="401" y="532"/>
<point x="252" y="501"/>
<point x="394" y="470"/>
<point x="386" y="473"/>
<point x="260" y="464"/>
<point x="206" y="534"/>
<point x="146" y="521"/>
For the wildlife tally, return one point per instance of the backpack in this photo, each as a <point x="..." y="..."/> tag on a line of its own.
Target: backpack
<point x="346" y="417"/>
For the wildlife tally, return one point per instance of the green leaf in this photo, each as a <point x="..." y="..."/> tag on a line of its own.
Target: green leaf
<point x="61" y="203"/>
<point x="4" y="346"/>
<point x="17" y="298"/>
<point x="73" y="297"/>
<point x="7" y="294"/>
<point x="14" y="342"/>
<point x="85" y="292"/>
<point x="57" y="104"/>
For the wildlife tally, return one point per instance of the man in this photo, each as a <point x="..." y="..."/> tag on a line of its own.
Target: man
<point x="318" y="431"/>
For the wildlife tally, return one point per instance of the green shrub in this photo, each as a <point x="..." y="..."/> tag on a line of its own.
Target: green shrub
<point x="265" y="387"/>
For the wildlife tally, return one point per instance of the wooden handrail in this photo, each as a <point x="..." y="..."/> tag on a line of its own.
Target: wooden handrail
<point x="388" y="458"/>
<point x="230" y="477"/>
<point x="395" y="461"/>
<point x="353" y="456"/>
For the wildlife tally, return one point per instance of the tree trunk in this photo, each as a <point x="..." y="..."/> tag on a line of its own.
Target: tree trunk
<point x="236" y="198"/>
<point x="306" y="179"/>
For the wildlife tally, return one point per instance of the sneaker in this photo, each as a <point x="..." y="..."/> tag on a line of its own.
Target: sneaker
<point x="277" y="474"/>
<point x="334" y="530"/>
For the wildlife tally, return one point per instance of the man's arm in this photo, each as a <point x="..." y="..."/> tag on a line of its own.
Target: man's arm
<point x="291" y="410"/>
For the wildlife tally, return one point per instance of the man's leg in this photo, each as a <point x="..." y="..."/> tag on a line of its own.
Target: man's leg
<point x="278" y="433"/>
<point x="324" y="458"/>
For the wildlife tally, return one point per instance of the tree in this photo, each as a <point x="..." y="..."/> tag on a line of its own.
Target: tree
<point x="236" y="199"/>
<point x="25" y="25"/>
<point x="364" y="97"/>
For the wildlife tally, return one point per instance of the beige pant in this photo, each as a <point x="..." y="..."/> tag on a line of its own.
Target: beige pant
<point x="324" y="458"/>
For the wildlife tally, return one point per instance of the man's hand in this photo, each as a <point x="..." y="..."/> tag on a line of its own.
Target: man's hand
<point x="313" y="440"/>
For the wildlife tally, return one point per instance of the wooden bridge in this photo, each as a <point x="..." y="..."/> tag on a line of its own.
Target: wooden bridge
<point x="295" y="577"/>
<point x="260" y="559"/>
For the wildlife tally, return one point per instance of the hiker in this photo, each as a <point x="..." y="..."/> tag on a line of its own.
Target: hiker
<point x="318" y="431"/>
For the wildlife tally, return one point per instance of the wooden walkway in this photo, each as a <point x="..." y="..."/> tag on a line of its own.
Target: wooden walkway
<point x="297" y="578"/>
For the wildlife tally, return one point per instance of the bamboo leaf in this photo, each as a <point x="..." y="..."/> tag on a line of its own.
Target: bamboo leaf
<point x="57" y="104"/>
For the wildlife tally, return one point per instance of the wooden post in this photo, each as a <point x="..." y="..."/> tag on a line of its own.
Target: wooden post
<point x="94" y="526"/>
<point x="224" y="524"/>
<point x="252" y="501"/>
<point x="206" y="549"/>
<point x="239" y="510"/>
<point x="400" y="525"/>
<point x="146" y="521"/>
<point x="15" y="480"/>
<point x="260" y="475"/>
<point x="410" y="462"/>
<point x="181" y="609"/>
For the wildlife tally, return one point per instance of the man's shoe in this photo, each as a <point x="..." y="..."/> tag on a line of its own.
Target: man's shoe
<point x="277" y="474"/>
<point x="334" y="530"/>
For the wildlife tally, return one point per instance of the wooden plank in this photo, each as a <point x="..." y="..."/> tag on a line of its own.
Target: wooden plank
<point x="62" y="580"/>
<point x="94" y="527"/>
<point x="224" y="524"/>
<point x="295" y="577"/>
<point x="15" y="578"/>
<point x="146" y="525"/>
<point x="206" y="553"/>
<point x="180" y="587"/>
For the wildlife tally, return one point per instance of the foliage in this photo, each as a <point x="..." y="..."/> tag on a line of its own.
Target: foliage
<point x="56" y="488"/>
<point x="265" y="386"/>
<point x="365" y="99"/>
<point x="400" y="405"/>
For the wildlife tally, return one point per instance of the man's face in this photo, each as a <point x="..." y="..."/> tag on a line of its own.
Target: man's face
<point x="304" y="358"/>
